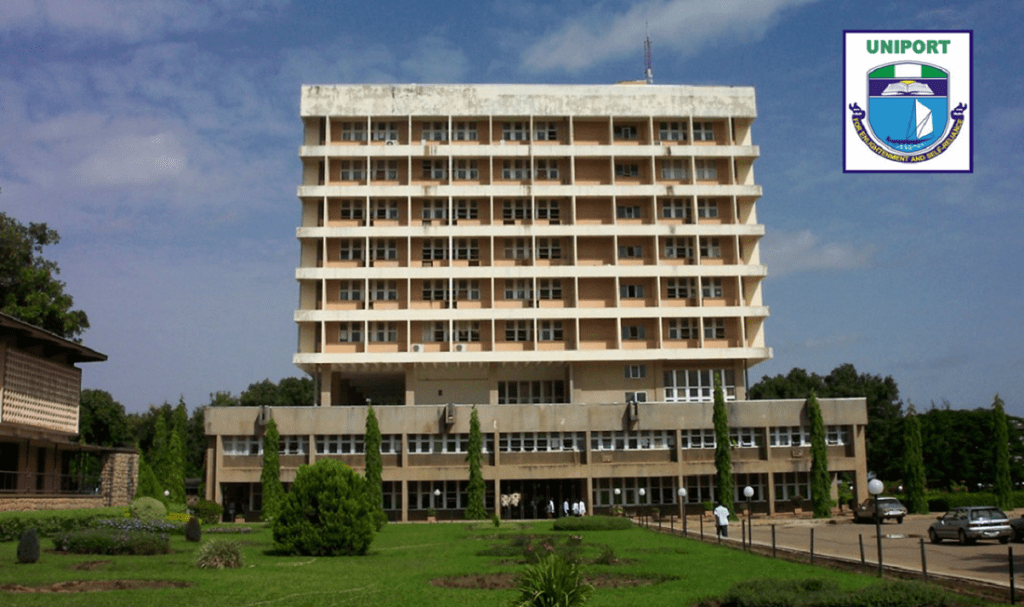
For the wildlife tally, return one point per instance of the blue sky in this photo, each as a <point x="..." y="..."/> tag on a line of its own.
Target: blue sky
<point x="160" y="139"/>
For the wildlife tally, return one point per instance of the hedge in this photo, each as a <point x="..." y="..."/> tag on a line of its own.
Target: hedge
<point x="48" y="523"/>
<point x="592" y="523"/>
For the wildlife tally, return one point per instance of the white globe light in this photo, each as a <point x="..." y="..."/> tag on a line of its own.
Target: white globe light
<point x="167" y="493"/>
<point x="748" y="492"/>
<point x="617" y="491"/>
<point x="437" y="492"/>
<point x="681" y="492"/>
<point x="875" y="487"/>
<point x="643" y="492"/>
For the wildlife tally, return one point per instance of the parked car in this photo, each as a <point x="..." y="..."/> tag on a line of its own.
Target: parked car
<point x="888" y="507"/>
<point x="969" y="524"/>
<point x="1017" y="525"/>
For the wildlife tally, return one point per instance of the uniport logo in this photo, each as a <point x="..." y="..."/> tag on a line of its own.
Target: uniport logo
<point x="906" y="96"/>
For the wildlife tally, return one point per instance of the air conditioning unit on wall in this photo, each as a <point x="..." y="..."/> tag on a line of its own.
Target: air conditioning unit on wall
<point x="417" y="347"/>
<point x="461" y="348"/>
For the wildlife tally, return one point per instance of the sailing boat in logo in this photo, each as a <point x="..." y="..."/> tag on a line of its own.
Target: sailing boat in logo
<point x="907" y="106"/>
<point x="919" y="128"/>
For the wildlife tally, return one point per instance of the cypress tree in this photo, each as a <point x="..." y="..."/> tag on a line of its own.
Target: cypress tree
<point x="160" y="453"/>
<point x="270" y="475"/>
<point x="374" y="468"/>
<point x="821" y="483"/>
<point x="914" y="478"/>
<point x="723" y="451"/>
<point x="148" y="485"/>
<point x="175" y="479"/>
<point x="475" y="510"/>
<point x="1001" y="446"/>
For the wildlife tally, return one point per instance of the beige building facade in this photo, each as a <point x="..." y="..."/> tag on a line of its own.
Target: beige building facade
<point x="578" y="262"/>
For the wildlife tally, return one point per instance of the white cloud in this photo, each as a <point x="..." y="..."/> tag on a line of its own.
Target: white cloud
<point x="678" y="26"/>
<point x="791" y="252"/>
<point x="134" y="160"/>
<point x="434" y="59"/>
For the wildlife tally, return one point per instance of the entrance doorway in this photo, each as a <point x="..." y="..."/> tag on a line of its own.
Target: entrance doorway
<point x="535" y="494"/>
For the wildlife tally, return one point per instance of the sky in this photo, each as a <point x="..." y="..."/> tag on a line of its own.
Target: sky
<point x="160" y="139"/>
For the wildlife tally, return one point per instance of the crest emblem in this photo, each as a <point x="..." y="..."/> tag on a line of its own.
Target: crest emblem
<point x="907" y="106"/>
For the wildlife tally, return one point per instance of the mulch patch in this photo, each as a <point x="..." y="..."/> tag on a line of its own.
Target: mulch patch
<point x="95" y="586"/>
<point x="90" y="565"/>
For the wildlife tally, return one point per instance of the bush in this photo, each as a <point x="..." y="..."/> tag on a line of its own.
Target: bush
<point x="50" y="522"/>
<point x="148" y="509"/>
<point x="209" y="513"/>
<point x="28" y="546"/>
<point x="219" y="554"/>
<point x="822" y="593"/>
<point x="112" y="541"/>
<point x="193" y="531"/>
<point x="592" y="523"/>
<point x="133" y="524"/>
<point x="496" y="520"/>
<point x="327" y="512"/>
<point x="552" y="582"/>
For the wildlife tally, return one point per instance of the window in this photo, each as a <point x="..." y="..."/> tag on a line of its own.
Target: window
<point x="384" y="209"/>
<point x="836" y="435"/>
<point x="692" y="385"/>
<point x="350" y="249"/>
<point x="293" y="445"/>
<point x="679" y="248"/>
<point x="518" y="442"/>
<point x="515" y="209"/>
<point x="545" y="131"/>
<point x="703" y="131"/>
<point x="350" y="332"/>
<point x="682" y="328"/>
<point x="467" y="248"/>
<point x="467" y="331"/>
<point x="625" y="131"/>
<point x="707" y="170"/>
<point x="676" y="208"/>
<point x="351" y="170"/>
<point x="517" y="248"/>
<point x="707" y="208"/>
<point x="628" y="291"/>
<point x="466" y="169"/>
<point x="628" y="212"/>
<point x="550" y="288"/>
<point x="703" y="438"/>
<point x="632" y="332"/>
<point x="434" y="209"/>
<point x="385" y="170"/>
<point x="636" y="397"/>
<point x="672" y="131"/>
<point x="714" y="328"/>
<point x="681" y="288"/>
<point x="635" y="371"/>
<point x="334" y="444"/>
<point x="434" y="169"/>
<point x="350" y="209"/>
<point x="711" y="287"/>
<point x="385" y="131"/>
<point x="515" y="169"/>
<point x="383" y="290"/>
<point x="531" y="392"/>
<point x="548" y="209"/>
<point x="384" y="249"/>
<point x="465" y="131"/>
<point x="519" y="289"/>
<point x="743" y="437"/>
<point x="435" y="249"/>
<point x="675" y="169"/>
<point x="466" y="209"/>
<point x="243" y="445"/>
<point x="515" y="131"/>
<point x="435" y="131"/>
<point x="627" y="169"/>
<point x="435" y="290"/>
<point x="547" y="169"/>
<point x="351" y="290"/>
<point x="790" y="436"/>
<point x="550" y="330"/>
<point x="467" y="290"/>
<point x="790" y="484"/>
<point x="353" y="131"/>
<point x="384" y="332"/>
<point x="518" y="330"/>
<point x="631" y="252"/>
<point x="435" y="331"/>
<point x="549" y="248"/>
<point x="710" y="248"/>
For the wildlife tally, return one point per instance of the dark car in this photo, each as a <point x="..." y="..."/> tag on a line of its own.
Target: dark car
<point x="1017" y="525"/>
<point x="969" y="524"/>
<point x="888" y="507"/>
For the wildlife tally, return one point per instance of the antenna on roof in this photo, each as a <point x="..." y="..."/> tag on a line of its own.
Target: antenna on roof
<point x="648" y="70"/>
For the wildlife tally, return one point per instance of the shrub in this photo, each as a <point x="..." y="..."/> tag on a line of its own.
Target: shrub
<point x="592" y="523"/>
<point x="28" y="546"/>
<point x="148" y="509"/>
<point x="219" y="554"/>
<point x="50" y="522"/>
<point x="209" y="513"/>
<point x="133" y="524"/>
<point x="327" y="512"/>
<point x="193" y="531"/>
<point x="552" y="582"/>
<point x="496" y="520"/>
<point x="112" y="541"/>
<point x="822" y="593"/>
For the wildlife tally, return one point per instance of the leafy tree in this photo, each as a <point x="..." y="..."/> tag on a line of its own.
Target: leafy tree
<point x="1001" y="455"/>
<point x="723" y="448"/>
<point x="29" y="288"/>
<point x="148" y="485"/>
<point x="914" y="479"/>
<point x="175" y="479"/>
<point x="374" y="467"/>
<point x="261" y="394"/>
<point x="296" y="392"/>
<point x="821" y="484"/>
<point x="195" y="444"/>
<point x="956" y="445"/>
<point x="475" y="510"/>
<point x="160" y="452"/>
<point x="102" y="420"/>
<point x="223" y="399"/>
<point x="270" y="476"/>
<point x="796" y="384"/>
<point x="327" y="512"/>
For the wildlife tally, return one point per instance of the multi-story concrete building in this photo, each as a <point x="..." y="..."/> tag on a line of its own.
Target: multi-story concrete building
<point x="578" y="262"/>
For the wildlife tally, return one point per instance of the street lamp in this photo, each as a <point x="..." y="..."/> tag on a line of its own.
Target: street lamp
<point x="875" y="487"/>
<point x="682" y="508"/>
<point x="437" y="496"/>
<point x="642" y="493"/>
<point x="748" y="492"/>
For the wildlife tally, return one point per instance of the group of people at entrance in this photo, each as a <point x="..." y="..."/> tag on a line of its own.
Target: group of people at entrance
<point x="577" y="508"/>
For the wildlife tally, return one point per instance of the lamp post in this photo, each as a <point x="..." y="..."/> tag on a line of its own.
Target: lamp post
<point x="875" y="487"/>
<point x="748" y="492"/>
<point x="642" y="493"/>
<point x="681" y="492"/>
<point x="437" y="496"/>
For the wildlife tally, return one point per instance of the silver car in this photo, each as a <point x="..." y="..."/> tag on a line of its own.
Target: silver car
<point x="969" y="524"/>
<point x="888" y="507"/>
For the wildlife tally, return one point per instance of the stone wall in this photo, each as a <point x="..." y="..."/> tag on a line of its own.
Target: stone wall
<point x="120" y="478"/>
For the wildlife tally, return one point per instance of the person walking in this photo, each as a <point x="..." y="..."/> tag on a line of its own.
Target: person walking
<point x="575" y="508"/>
<point x="551" y="508"/>
<point x="565" y="508"/>
<point x="583" y="508"/>
<point x="721" y="520"/>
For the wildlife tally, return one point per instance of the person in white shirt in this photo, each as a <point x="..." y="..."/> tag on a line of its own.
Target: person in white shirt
<point x="565" y="508"/>
<point x="551" y="508"/>
<point x="575" y="508"/>
<point x="722" y="520"/>
<point x="583" y="508"/>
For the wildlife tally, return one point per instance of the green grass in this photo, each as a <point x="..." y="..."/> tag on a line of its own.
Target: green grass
<point x="402" y="561"/>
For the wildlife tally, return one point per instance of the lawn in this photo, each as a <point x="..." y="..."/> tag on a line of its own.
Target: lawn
<point x="398" y="571"/>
